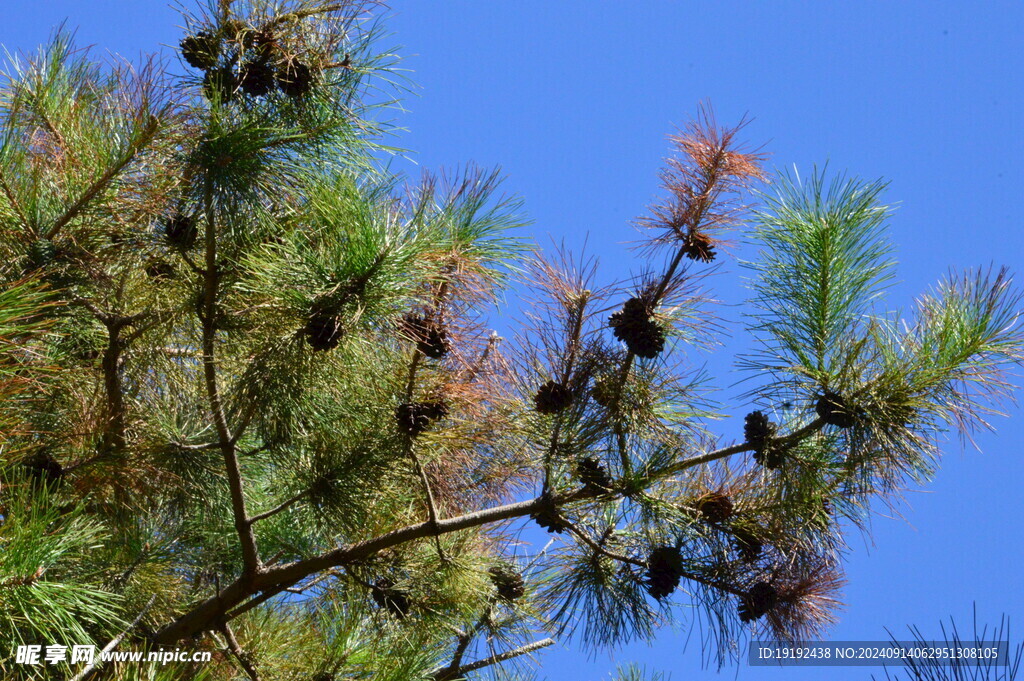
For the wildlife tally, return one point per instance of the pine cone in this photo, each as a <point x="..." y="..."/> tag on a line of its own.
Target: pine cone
<point x="159" y="269"/>
<point x="606" y="390"/>
<point x="715" y="507"/>
<point x="634" y="327"/>
<point x="263" y="44"/>
<point x="42" y="252"/>
<point x="431" y="338"/>
<point x="390" y="598"/>
<point x="201" y="50"/>
<point x="759" y="431"/>
<point x="508" y="582"/>
<point x="647" y="341"/>
<point x="664" y="570"/>
<point x="593" y="475"/>
<point x="698" y="247"/>
<point x="747" y="544"/>
<point x="435" y="345"/>
<point x="234" y="29"/>
<point x="761" y="598"/>
<point x="771" y="457"/>
<point x="323" y="331"/>
<point x="43" y="467"/>
<point x="416" y="417"/>
<point x="834" y="409"/>
<point x="549" y="518"/>
<point x="181" y="232"/>
<point x="220" y="84"/>
<point x="295" y="79"/>
<point x="257" y="78"/>
<point x="552" y="398"/>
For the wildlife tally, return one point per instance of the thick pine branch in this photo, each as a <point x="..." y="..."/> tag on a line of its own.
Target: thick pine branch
<point x="270" y="581"/>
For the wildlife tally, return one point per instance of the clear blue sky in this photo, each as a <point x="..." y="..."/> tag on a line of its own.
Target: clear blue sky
<point x="573" y="99"/>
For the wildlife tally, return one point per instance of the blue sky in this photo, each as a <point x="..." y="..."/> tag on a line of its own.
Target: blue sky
<point x="573" y="100"/>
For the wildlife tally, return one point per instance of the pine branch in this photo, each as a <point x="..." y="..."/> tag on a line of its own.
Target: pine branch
<point x="278" y="509"/>
<point x="465" y="639"/>
<point x="273" y="580"/>
<point x="101" y="183"/>
<point x="302" y="14"/>
<point x="94" y="666"/>
<point x="784" y="442"/>
<point x="243" y="658"/>
<point x="243" y="526"/>
<point x="13" y="200"/>
<point x="114" y="435"/>
<point x="503" y="657"/>
<point x="602" y="550"/>
<point x="322" y="578"/>
<point x="575" y="331"/>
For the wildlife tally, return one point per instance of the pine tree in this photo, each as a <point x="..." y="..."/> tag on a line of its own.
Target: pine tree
<point x="250" y="408"/>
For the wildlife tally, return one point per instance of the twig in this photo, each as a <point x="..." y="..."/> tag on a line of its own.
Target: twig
<point x="411" y="450"/>
<point x="503" y="657"/>
<point x="98" y="660"/>
<point x="259" y="600"/>
<point x="574" y="340"/>
<point x="101" y="183"/>
<point x="49" y="125"/>
<point x="492" y="342"/>
<point x="465" y="639"/>
<point x="243" y="658"/>
<point x="282" y="507"/>
<point x="303" y="13"/>
<point x="431" y="506"/>
<point x="602" y="550"/>
<point x="13" y="200"/>
<point x="246" y="536"/>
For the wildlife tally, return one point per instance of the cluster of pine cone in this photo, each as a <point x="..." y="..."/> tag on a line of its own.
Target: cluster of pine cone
<point x="415" y="417"/>
<point x="180" y="231"/>
<point x="264" y="69"/>
<point x="715" y="507"/>
<point x="758" y="602"/>
<point x="323" y="331"/>
<point x="593" y="475"/>
<point x="759" y="431"/>
<point x="390" y="598"/>
<point x="552" y="398"/>
<point x="698" y="247"/>
<point x="606" y="390"/>
<point x="747" y="543"/>
<point x="508" y="582"/>
<point x="159" y="270"/>
<point x="431" y="337"/>
<point x="44" y="468"/>
<point x="834" y="409"/>
<point x="549" y="518"/>
<point x="633" y="326"/>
